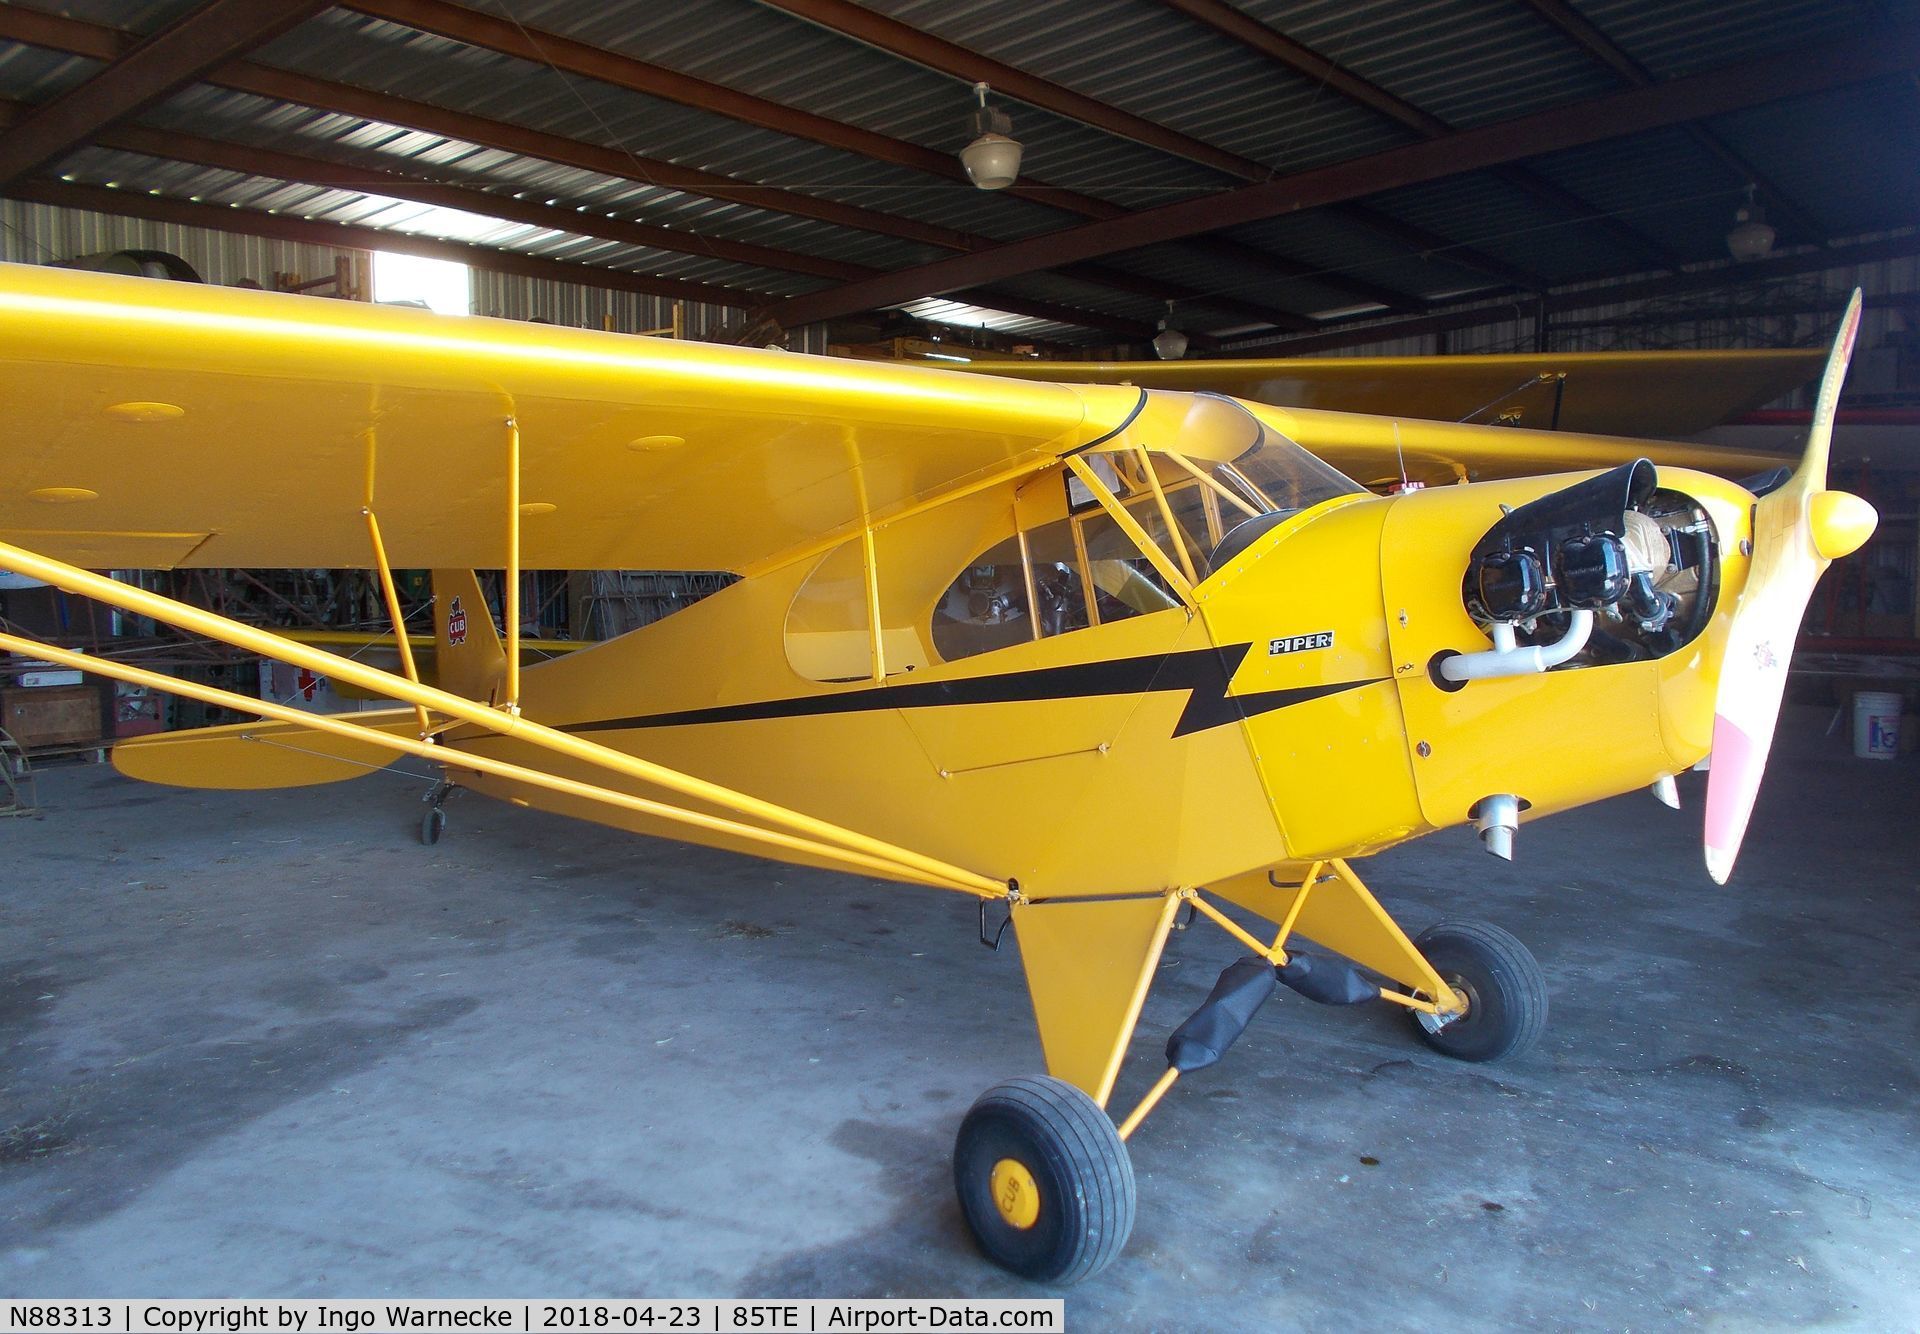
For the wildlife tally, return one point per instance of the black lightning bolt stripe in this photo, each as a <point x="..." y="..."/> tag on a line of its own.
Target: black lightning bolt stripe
<point x="1203" y="673"/>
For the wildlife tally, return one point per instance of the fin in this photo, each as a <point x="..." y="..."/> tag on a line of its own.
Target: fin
<point x="470" y="659"/>
<point x="261" y="754"/>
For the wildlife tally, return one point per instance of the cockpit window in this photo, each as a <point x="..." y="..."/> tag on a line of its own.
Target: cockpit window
<point x="989" y="606"/>
<point x="1125" y="582"/>
<point x="1083" y="570"/>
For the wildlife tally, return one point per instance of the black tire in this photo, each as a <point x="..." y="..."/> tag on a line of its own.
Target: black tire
<point x="432" y="825"/>
<point x="1506" y="992"/>
<point x="1076" y="1164"/>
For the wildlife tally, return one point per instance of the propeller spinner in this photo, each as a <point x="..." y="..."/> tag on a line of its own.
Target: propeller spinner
<point x="1798" y="531"/>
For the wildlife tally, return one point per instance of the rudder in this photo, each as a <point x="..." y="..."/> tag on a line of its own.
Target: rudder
<point x="471" y="660"/>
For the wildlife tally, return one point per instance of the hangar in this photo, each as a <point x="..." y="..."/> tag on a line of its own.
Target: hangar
<point x="1184" y="477"/>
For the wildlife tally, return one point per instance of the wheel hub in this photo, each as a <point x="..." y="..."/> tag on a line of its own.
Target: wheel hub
<point x="1433" y="1023"/>
<point x="1015" y="1193"/>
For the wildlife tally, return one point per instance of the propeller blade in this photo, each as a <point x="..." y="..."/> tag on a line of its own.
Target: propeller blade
<point x="1798" y="531"/>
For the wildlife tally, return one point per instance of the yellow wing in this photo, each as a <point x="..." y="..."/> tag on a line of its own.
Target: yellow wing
<point x="1652" y="395"/>
<point x="153" y="424"/>
<point x="1378" y="451"/>
<point x="159" y="424"/>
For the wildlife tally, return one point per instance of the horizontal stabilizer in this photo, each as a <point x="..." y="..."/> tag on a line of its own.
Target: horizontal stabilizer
<point x="261" y="754"/>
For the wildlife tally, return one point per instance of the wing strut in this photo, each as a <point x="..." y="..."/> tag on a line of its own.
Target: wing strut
<point x="387" y="589"/>
<point x="510" y="602"/>
<point x="447" y="755"/>
<point x="820" y="838"/>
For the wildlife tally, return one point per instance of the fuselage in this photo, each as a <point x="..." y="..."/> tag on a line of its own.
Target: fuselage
<point x="1288" y="712"/>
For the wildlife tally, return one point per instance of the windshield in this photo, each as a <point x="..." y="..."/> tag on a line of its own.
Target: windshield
<point x="1277" y="474"/>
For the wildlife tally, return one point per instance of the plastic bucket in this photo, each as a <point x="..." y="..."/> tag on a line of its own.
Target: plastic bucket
<point x="1876" y="725"/>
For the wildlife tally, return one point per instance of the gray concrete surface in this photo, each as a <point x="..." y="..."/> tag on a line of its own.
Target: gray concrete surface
<point x="266" y="1044"/>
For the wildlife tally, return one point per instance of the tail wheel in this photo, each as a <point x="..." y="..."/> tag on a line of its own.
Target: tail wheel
<point x="432" y="825"/>
<point x="1505" y="991"/>
<point x="1044" y="1180"/>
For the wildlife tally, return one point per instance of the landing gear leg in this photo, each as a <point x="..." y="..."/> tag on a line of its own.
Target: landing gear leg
<point x="433" y="822"/>
<point x="1474" y="992"/>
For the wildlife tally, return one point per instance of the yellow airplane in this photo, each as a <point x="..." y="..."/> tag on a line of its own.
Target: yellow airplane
<point x="1092" y="654"/>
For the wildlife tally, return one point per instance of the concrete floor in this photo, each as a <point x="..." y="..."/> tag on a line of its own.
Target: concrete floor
<point x="266" y="1044"/>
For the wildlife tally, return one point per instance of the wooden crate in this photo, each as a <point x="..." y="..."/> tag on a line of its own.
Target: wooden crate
<point x="52" y="716"/>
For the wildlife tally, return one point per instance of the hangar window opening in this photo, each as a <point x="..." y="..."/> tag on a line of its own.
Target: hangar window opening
<point x="440" y="285"/>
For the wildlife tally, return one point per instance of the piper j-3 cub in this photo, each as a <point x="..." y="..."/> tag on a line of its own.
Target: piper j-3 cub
<point x="980" y="624"/>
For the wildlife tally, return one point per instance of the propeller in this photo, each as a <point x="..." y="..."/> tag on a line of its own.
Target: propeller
<point x="1798" y="530"/>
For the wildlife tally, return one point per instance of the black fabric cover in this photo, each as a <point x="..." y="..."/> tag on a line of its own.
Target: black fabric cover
<point x="1327" y="981"/>
<point x="1242" y="989"/>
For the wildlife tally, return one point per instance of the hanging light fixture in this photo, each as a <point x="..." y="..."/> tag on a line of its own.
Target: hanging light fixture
<point x="1752" y="236"/>
<point x="992" y="160"/>
<point x="1169" y="344"/>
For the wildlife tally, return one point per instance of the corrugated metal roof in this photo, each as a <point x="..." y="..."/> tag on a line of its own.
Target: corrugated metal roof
<point x="1330" y="243"/>
<point x="1840" y="156"/>
<point x="141" y="16"/>
<point x="1671" y="40"/>
<point x="178" y="180"/>
<point x="29" y="74"/>
<point x="1160" y="65"/>
<point x="1464" y="61"/>
<point x="1664" y="185"/>
<point x="1846" y="157"/>
<point x="427" y="68"/>
<point x="216" y="113"/>
<point x="1503" y="220"/>
<point x="941" y="310"/>
<point x="775" y="56"/>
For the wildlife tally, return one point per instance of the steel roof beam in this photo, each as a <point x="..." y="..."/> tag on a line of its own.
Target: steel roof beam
<point x="1716" y="92"/>
<point x="1285" y="51"/>
<point x="1585" y="34"/>
<point x="175" y="56"/>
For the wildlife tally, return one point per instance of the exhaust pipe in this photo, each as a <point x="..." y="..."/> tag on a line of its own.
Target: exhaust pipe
<point x="1506" y="658"/>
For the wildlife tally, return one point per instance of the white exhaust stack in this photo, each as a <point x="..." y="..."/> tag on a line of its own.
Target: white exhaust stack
<point x="1496" y="818"/>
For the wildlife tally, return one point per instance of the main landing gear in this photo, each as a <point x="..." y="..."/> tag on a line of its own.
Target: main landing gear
<point x="1044" y="1180"/>
<point x="1503" y="987"/>
<point x="1042" y="1171"/>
